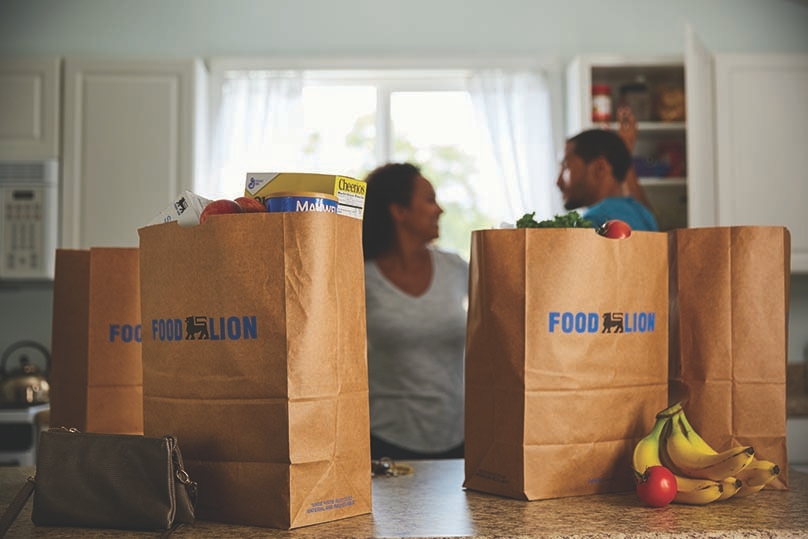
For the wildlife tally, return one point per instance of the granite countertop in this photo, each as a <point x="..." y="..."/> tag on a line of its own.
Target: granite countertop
<point x="432" y="503"/>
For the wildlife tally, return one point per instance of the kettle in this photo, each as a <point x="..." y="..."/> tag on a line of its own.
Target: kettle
<point x="27" y="385"/>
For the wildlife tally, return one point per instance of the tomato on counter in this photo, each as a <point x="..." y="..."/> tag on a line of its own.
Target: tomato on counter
<point x="656" y="487"/>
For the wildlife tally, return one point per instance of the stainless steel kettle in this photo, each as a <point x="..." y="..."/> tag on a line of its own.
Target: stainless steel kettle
<point x="27" y="385"/>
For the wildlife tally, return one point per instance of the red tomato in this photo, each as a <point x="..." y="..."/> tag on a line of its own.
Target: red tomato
<point x="615" y="229"/>
<point x="657" y="486"/>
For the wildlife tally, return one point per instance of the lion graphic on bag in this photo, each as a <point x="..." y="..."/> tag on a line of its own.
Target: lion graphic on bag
<point x="612" y="321"/>
<point x="196" y="326"/>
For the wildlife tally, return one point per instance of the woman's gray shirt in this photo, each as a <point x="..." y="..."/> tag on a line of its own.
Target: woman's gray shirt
<point x="416" y="356"/>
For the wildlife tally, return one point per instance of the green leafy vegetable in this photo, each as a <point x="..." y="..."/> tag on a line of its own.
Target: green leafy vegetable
<point x="570" y="220"/>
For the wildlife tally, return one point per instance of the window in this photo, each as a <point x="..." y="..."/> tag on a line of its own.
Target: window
<point x="348" y="122"/>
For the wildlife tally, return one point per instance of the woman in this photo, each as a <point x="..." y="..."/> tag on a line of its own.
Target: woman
<point x="416" y="320"/>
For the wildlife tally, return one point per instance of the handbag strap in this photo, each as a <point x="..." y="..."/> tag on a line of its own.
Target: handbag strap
<point x="16" y="505"/>
<point x="166" y="534"/>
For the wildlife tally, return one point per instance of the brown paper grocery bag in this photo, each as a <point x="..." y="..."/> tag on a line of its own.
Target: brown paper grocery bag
<point x="566" y="359"/>
<point x="729" y="326"/>
<point x="255" y="357"/>
<point x="96" y="378"/>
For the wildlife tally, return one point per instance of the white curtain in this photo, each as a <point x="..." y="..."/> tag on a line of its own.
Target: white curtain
<point x="257" y="128"/>
<point x="514" y="108"/>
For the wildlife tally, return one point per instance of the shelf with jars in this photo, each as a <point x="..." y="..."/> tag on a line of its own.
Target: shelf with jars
<point x="653" y="88"/>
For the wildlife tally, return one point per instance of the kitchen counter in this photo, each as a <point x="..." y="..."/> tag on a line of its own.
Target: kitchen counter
<point x="432" y="503"/>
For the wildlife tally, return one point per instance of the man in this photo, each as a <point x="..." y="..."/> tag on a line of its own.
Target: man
<point x="593" y="176"/>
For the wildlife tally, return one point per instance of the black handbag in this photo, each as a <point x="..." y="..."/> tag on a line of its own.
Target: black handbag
<point x="121" y="481"/>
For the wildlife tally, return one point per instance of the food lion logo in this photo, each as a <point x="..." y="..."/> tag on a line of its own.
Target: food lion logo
<point x="125" y="333"/>
<point x="608" y="322"/>
<point x="205" y="328"/>
<point x="196" y="326"/>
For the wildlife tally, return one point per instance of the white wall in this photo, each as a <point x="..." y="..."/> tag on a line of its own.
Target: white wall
<point x="560" y="28"/>
<point x="368" y="27"/>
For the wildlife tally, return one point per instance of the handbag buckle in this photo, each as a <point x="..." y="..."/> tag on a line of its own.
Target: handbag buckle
<point x="183" y="477"/>
<point x="64" y="429"/>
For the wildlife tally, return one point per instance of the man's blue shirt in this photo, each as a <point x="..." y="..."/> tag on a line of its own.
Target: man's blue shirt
<point x="624" y="208"/>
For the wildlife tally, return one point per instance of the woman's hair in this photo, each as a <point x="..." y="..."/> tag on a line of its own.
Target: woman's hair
<point x="594" y="143"/>
<point x="392" y="183"/>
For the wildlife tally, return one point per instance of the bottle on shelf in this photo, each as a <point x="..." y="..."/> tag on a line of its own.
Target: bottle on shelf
<point x="601" y="103"/>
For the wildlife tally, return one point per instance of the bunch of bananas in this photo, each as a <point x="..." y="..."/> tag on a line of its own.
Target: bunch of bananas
<point x="703" y="475"/>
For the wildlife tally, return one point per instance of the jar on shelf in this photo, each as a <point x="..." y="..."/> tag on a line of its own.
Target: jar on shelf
<point x="669" y="103"/>
<point x="636" y="96"/>
<point x="601" y="103"/>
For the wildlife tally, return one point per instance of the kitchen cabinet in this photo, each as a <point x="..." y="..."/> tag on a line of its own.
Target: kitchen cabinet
<point x="133" y="135"/>
<point x="654" y="88"/>
<point x="746" y="148"/>
<point x="29" y="108"/>
<point x="761" y="111"/>
<point x="797" y="442"/>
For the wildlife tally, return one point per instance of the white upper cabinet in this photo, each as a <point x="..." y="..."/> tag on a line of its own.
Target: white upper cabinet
<point x="132" y="143"/>
<point x="29" y="108"/>
<point x="761" y="111"/>
<point x="700" y="92"/>
<point x="747" y="134"/>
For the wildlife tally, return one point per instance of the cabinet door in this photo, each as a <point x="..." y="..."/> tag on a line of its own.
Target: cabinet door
<point x="131" y="131"/>
<point x="29" y="108"/>
<point x="761" y="129"/>
<point x="699" y="83"/>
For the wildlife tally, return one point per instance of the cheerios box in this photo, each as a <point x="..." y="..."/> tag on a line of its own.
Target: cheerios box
<point x="350" y="192"/>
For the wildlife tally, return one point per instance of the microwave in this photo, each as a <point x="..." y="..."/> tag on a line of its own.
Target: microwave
<point x="29" y="213"/>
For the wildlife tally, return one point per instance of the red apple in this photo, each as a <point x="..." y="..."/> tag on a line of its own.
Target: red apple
<point x="250" y="205"/>
<point x="220" y="206"/>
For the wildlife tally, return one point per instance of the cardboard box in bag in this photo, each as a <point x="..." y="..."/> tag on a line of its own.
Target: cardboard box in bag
<point x="255" y="357"/>
<point x="96" y="376"/>
<point x="350" y="192"/>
